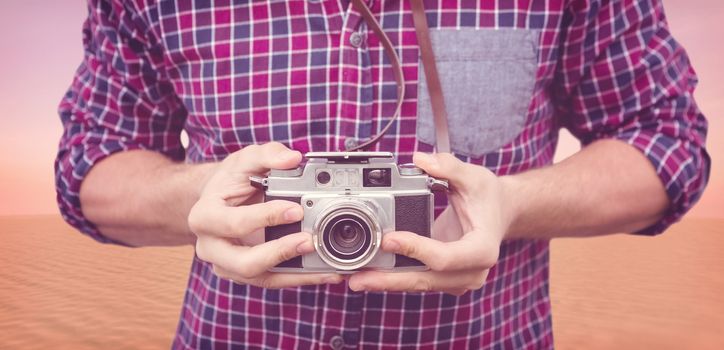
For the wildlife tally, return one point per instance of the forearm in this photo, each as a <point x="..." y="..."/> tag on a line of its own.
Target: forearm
<point x="607" y="187"/>
<point x="142" y="198"/>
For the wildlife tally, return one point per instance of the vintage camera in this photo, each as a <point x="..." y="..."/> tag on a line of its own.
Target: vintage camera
<point x="350" y="200"/>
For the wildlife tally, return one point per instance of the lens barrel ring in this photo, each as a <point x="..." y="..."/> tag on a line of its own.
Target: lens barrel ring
<point x="365" y="217"/>
<point x="346" y="236"/>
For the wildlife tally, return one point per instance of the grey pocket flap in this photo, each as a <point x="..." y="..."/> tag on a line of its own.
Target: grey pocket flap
<point x="487" y="78"/>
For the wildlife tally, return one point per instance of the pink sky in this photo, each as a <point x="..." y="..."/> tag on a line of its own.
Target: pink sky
<point x="41" y="47"/>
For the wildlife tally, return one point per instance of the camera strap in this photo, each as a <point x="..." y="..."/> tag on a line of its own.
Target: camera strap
<point x="396" y="69"/>
<point x="434" y="88"/>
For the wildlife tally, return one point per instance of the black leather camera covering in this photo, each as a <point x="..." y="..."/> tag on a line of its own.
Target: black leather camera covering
<point x="275" y="232"/>
<point x="412" y="213"/>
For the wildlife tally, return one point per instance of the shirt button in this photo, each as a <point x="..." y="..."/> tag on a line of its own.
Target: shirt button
<point x="336" y="342"/>
<point x="355" y="39"/>
<point x="350" y="143"/>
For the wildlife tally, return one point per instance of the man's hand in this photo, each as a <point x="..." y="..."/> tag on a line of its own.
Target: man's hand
<point x="457" y="263"/>
<point x="228" y="221"/>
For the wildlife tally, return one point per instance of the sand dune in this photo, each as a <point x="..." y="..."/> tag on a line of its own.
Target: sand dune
<point x="625" y="292"/>
<point x="59" y="289"/>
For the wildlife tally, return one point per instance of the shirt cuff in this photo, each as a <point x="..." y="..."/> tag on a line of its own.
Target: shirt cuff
<point x="71" y="167"/>
<point x="682" y="166"/>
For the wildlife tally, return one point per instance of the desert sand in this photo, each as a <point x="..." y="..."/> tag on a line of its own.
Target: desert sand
<point x="59" y="289"/>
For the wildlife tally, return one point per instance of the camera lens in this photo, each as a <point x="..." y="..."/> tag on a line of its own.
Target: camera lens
<point x="323" y="177"/>
<point x="347" y="234"/>
<point x="347" y="237"/>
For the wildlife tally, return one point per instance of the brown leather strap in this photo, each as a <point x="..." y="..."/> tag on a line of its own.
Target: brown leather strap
<point x="396" y="68"/>
<point x="434" y="88"/>
<point x="442" y="139"/>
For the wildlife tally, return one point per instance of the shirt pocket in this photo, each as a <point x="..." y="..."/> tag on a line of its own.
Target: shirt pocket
<point x="487" y="78"/>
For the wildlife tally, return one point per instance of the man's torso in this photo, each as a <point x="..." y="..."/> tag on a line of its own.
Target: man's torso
<point x="310" y="74"/>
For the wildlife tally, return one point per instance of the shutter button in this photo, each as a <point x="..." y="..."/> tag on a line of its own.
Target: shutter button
<point x="350" y="143"/>
<point x="336" y="342"/>
<point x="355" y="39"/>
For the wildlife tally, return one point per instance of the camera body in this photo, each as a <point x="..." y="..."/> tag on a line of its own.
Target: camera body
<point x="351" y="200"/>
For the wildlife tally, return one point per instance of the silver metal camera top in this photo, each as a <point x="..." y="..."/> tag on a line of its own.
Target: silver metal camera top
<point x="289" y="172"/>
<point x="349" y="172"/>
<point x="409" y="169"/>
<point x="349" y="156"/>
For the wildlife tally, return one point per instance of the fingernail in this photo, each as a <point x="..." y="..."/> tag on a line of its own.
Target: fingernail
<point x="331" y="279"/>
<point x="391" y="246"/>
<point x="291" y="154"/>
<point x="293" y="214"/>
<point x="427" y="158"/>
<point x="305" y="247"/>
<point x="356" y="287"/>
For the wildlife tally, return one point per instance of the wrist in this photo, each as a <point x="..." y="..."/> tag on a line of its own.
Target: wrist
<point x="511" y="206"/>
<point x="200" y="177"/>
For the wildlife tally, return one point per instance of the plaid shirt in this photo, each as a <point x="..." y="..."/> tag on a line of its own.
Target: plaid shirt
<point x="311" y="75"/>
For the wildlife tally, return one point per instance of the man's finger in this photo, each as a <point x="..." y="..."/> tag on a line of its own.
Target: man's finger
<point x="281" y="280"/>
<point x="220" y="220"/>
<point x="443" y="165"/>
<point x="258" y="159"/>
<point x="454" y="283"/>
<point x="466" y="253"/>
<point x="249" y="218"/>
<point x="250" y="262"/>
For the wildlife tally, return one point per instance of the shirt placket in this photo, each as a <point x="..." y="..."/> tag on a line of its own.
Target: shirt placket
<point x="353" y="124"/>
<point x="355" y="117"/>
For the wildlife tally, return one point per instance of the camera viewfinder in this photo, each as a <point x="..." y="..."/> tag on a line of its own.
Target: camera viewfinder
<point x="376" y="177"/>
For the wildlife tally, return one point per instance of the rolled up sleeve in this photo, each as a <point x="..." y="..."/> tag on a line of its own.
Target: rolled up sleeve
<point x="623" y="76"/>
<point x="119" y="100"/>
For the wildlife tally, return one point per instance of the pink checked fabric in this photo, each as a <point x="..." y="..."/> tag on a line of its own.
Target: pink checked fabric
<point x="311" y="75"/>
